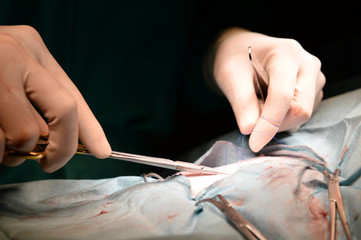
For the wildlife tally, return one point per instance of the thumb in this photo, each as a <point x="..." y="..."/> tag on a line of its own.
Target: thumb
<point x="91" y="133"/>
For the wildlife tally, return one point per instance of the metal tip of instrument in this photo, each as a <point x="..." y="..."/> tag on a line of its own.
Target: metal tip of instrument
<point x="213" y="171"/>
<point x="250" y="53"/>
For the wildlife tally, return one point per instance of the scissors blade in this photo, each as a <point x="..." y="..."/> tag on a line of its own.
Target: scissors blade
<point x="159" y="162"/>
<point x="40" y="151"/>
<point x="165" y="163"/>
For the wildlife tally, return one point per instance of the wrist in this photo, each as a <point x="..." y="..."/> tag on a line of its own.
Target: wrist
<point x="209" y="57"/>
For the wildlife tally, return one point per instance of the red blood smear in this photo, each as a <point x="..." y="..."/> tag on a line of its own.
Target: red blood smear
<point x="315" y="209"/>
<point x="345" y="149"/>
<point x="101" y="213"/>
<point x="172" y="216"/>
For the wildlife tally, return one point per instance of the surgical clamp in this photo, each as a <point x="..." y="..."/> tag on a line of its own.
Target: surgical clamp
<point x="245" y="227"/>
<point x="40" y="151"/>
<point x="335" y="201"/>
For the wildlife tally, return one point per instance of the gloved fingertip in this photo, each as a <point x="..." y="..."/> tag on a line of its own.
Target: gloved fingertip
<point x="257" y="142"/>
<point x="50" y="167"/>
<point x="247" y="129"/>
<point x="247" y="125"/>
<point x="292" y="130"/>
<point x="12" y="162"/>
<point x="101" y="149"/>
<point x="255" y="146"/>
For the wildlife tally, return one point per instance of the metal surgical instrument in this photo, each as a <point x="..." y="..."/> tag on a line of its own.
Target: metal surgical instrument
<point x="260" y="80"/>
<point x="40" y="151"/>
<point x="335" y="201"/>
<point x="245" y="227"/>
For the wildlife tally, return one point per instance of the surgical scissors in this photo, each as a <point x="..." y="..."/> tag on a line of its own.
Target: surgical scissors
<point x="40" y="151"/>
<point x="245" y="227"/>
<point x="335" y="201"/>
<point x="260" y="80"/>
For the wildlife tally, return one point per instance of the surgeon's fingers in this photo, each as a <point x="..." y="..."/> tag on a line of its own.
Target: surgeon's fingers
<point x="33" y="138"/>
<point x="282" y="80"/>
<point x="295" y="128"/>
<point x="60" y="109"/>
<point x="43" y="126"/>
<point x="321" y="81"/>
<point x="242" y="97"/>
<point x="10" y="162"/>
<point x="307" y="95"/>
<point x="19" y="130"/>
<point x="90" y="131"/>
<point x="318" y="100"/>
<point x="2" y="144"/>
<point x="234" y="77"/>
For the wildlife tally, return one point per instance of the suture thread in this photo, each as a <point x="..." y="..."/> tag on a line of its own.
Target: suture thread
<point x="242" y="145"/>
<point x="241" y="151"/>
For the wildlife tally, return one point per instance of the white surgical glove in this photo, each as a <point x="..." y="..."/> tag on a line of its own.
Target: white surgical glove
<point x="30" y="75"/>
<point x="295" y="83"/>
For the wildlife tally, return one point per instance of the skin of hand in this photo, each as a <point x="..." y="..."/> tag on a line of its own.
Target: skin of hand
<point x="294" y="90"/>
<point x="30" y="76"/>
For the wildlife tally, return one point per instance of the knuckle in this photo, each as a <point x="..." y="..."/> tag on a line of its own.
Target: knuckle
<point x="26" y="39"/>
<point x="313" y="61"/>
<point x="291" y="45"/>
<point x="6" y="38"/>
<point x="223" y="71"/>
<point x="294" y="44"/>
<point x="11" y="51"/>
<point x="322" y="80"/>
<point x="25" y="138"/>
<point x="28" y="30"/>
<point x="8" y="43"/>
<point x="21" y="33"/>
<point x="316" y="62"/>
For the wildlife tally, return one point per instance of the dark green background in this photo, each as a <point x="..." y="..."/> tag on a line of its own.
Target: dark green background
<point x="138" y="64"/>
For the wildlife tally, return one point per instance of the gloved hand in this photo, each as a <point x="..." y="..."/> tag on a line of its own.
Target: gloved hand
<point x="295" y="83"/>
<point x="30" y="75"/>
